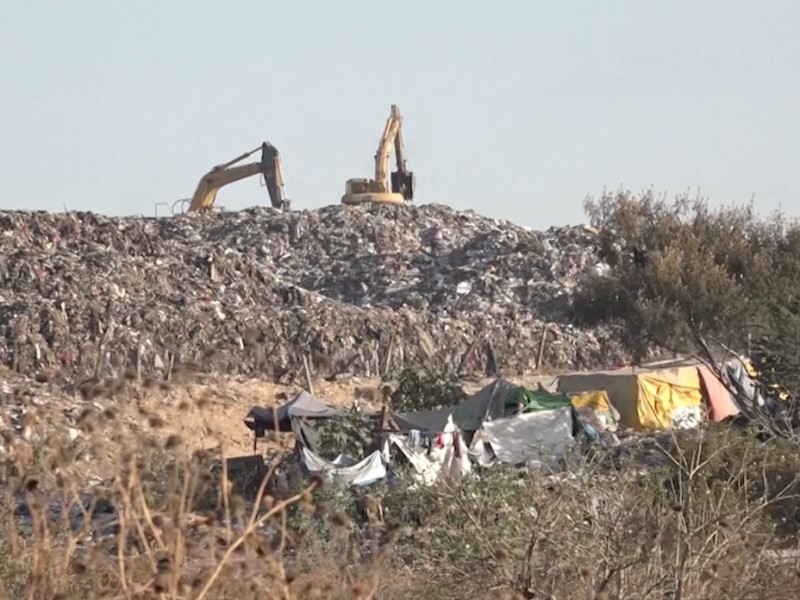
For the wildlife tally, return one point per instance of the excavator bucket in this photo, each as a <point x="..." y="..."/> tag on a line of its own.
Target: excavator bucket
<point x="403" y="183"/>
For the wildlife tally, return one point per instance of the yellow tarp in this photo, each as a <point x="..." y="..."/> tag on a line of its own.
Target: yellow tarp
<point x="596" y="400"/>
<point x="661" y="393"/>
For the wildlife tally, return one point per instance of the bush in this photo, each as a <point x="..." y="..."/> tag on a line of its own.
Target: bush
<point x="353" y="435"/>
<point x="422" y="388"/>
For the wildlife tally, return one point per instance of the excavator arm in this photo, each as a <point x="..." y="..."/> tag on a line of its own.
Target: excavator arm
<point x="401" y="181"/>
<point x="222" y="175"/>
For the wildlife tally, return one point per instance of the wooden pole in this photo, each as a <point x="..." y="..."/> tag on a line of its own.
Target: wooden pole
<point x="307" y="371"/>
<point x="541" y="347"/>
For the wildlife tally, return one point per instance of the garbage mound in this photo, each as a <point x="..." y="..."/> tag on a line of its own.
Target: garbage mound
<point x="258" y="292"/>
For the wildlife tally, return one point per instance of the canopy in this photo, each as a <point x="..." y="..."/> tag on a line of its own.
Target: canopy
<point x="302" y="406"/>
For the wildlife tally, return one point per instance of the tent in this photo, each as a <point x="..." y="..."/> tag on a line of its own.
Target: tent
<point x="646" y="399"/>
<point x="302" y="406"/>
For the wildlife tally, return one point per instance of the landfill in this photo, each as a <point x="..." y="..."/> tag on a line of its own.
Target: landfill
<point x="336" y="291"/>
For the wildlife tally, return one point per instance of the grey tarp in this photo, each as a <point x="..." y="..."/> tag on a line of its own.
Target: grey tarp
<point x="432" y="421"/>
<point x="743" y="388"/>
<point x="487" y="403"/>
<point x="302" y="406"/>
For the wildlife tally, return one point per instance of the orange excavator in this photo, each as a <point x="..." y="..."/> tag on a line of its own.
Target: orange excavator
<point x="397" y="188"/>
<point x="269" y="167"/>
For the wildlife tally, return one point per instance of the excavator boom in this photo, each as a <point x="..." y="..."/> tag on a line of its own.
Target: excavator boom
<point x="269" y="166"/>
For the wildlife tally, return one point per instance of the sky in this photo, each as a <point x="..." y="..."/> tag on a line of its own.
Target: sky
<point x="518" y="110"/>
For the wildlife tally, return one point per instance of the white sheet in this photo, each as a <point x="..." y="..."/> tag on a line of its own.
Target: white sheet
<point x="369" y="470"/>
<point x="532" y="437"/>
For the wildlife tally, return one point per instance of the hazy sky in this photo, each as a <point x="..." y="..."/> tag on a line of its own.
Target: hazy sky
<point x="517" y="109"/>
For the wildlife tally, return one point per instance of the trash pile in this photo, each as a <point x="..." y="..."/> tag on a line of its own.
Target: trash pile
<point x="345" y="290"/>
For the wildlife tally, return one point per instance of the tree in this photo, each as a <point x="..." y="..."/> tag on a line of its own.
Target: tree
<point x="421" y="388"/>
<point x="681" y="271"/>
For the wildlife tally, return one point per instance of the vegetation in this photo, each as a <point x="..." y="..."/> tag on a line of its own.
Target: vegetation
<point x="352" y="435"/>
<point x="712" y="521"/>
<point x="423" y="388"/>
<point x="684" y="276"/>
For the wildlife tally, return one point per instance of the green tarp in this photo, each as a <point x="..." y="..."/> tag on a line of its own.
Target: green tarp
<point x="532" y="400"/>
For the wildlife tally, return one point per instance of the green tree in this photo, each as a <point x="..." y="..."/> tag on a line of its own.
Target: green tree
<point x="421" y="388"/>
<point x="681" y="271"/>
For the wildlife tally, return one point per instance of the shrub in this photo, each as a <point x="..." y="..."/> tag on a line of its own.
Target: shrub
<point x="422" y="388"/>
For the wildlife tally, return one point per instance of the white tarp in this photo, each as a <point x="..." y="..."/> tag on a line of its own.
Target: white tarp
<point x="367" y="471"/>
<point x="532" y="437"/>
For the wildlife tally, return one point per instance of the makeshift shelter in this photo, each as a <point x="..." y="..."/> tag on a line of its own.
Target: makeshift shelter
<point x="745" y="392"/>
<point x="521" y="399"/>
<point x="646" y="400"/>
<point x="447" y="457"/>
<point x="302" y="406"/>
<point x="488" y="403"/>
<point x="430" y="421"/>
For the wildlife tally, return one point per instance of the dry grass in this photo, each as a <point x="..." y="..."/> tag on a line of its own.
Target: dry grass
<point x="713" y="523"/>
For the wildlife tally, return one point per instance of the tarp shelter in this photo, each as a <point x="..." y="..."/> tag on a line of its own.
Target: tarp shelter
<point x="345" y="468"/>
<point x="646" y="400"/>
<point x="302" y="406"/>
<point x="535" y="437"/>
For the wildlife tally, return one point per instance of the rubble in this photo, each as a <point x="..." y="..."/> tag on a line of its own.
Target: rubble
<point x="354" y="290"/>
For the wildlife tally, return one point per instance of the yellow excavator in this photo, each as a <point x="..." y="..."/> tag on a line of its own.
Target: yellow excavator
<point x="402" y="181"/>
<point x="269" y="166"/>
